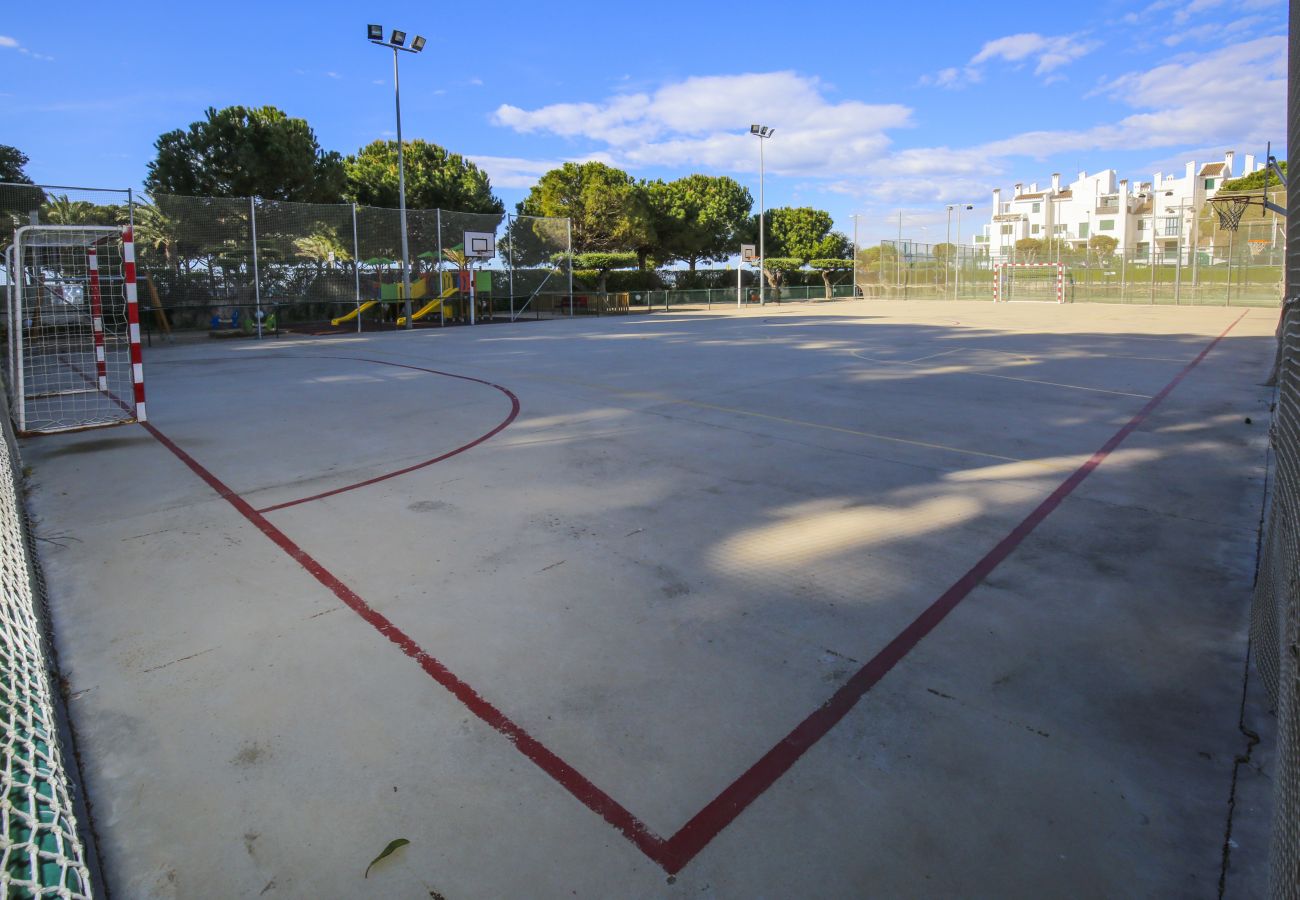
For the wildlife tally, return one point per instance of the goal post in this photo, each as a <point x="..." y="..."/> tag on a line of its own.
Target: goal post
<point x="74" y="327"/>
<point x="1029" y="283"/>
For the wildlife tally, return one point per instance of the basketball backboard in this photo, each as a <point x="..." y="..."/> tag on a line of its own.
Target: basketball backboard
<point x="480" y="244"/>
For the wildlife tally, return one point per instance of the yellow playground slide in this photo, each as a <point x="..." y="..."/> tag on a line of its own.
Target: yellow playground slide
<point x="427" y="308"/>
<point x="356" y="312"/>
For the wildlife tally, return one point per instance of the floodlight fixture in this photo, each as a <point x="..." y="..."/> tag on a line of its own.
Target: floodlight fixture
<point x="753" y="129"/>
<point x="375" y="32"/>
<point x="418" y="44"/>
<point x="398" y="38"/>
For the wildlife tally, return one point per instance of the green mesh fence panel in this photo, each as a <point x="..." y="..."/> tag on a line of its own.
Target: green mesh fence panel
<point x="1205" y="267"/>
<point x="42" y="853"/>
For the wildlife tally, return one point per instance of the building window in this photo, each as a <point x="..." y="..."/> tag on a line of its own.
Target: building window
<point x="1171" y="226"/>
<point x="1038" y="207"/>
<point x="1109" y="225"/>
<point x="1034" y="229"/>
<point x="980" y="239"/>
<point x="1008" y="229"/>
<point x="1058" y="229"/>
<point x="1083" y="229"/>
<point x="1209" y="184"/>
<point x="1142" y="224"/>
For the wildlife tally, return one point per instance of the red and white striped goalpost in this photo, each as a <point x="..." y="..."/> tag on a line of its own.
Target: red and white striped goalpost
<point x="97" y="317"/>
<point x="999" y="296"/>
<point x="133" y="320"/>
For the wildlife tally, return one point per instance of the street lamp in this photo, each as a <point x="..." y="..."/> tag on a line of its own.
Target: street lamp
<point x="956" y="275"/>
<point x="762" y="132"/>
<point x="397" y="41"/>
<point x="1182" y="209"/>
<point x="855" y="218"/>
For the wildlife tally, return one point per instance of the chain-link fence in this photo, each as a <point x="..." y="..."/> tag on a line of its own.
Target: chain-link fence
<point x="1210" y="267"/>
<point x="1275" y="616"/>
<point x="241" y="265"/>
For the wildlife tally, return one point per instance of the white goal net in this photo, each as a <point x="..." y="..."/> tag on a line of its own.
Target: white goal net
<point x="1029" y="282"/>
<point x="74" y="332"/>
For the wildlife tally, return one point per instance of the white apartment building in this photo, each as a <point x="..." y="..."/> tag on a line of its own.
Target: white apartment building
<point x="1101" y="204"/>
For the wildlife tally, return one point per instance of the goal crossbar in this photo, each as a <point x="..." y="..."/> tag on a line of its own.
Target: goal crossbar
<point x="1004" y="274"/>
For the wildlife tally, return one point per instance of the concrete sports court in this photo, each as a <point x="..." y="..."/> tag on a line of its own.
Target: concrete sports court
<point x="864" y="598"/>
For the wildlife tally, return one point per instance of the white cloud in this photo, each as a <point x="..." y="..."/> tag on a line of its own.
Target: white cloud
<point x="953" y="78"/>
<point x="10" y="43"/>
<point x="513" y="171"/>
<point x="847" y="146"/>
<point x="1048" y="53"/>
<point x="1218" y="32"/>
<point x="705" y="121"/>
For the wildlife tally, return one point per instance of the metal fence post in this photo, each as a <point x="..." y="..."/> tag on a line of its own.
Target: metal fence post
<point x="568" y="228"/>
<point x="1232" y="237"/>
<point x="257" y="287"/>
<point x="437" y="268"/>
<point x="356" y="264"/>
<point x="510" y="264"/>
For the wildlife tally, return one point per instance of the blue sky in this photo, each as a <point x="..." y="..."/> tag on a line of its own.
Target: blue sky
<point x="877" y="108"/>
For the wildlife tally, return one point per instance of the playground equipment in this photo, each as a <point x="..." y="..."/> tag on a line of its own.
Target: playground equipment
<point x="428" y="307"/>
<point x="447" y="302"/>
<point x="348" y="317"/>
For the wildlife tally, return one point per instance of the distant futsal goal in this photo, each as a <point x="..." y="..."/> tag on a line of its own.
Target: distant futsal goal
<point x="1029" y="283"/>
<point x="74" y="328"/>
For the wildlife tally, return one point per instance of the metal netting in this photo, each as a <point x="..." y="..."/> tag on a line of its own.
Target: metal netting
<point x="1196" y="264"/>
<point x="1275" y="613"/>
<point x="70" y="312"/>
<point x="1275" y="619"/>
<point x="537" y="251"/>
<point x="42" y="852"/>
<point x="240" y="266"/>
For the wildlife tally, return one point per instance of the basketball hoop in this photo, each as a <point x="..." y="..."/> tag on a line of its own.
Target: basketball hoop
<point x="1230" y="210"/>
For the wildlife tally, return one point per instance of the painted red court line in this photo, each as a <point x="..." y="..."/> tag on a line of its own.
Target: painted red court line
<point x="505" y="423"/>
<point x="677" y="851"/>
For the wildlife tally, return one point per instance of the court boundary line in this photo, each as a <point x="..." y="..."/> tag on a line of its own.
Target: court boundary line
<point x="1073" y="387"/>
<point x="675" y="852"/>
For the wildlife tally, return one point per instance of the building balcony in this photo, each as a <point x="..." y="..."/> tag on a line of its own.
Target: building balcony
<point x="1105" y="209"/>
<point x="1010" y="217"/>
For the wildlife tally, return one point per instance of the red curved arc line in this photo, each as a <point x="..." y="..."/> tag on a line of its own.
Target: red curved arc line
<point x="502" y="426"/>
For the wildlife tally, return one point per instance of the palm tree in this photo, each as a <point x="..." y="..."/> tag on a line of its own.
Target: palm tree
<point x="59" y="210"/>
<point x="320" y="246"/>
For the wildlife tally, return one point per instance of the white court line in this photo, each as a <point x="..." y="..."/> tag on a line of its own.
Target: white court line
<point x="1074" y="387"/>
<point x="932" y="355"/>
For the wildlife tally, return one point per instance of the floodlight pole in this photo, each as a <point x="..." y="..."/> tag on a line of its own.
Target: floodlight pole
<point x="956" y="275"/>
<point x="762" y="209"/>
<point x="947" y="247"/>
<point x="762" y="132"/>
<point x="401" y="197"/>
<point x="855" y="218"/>
<point x="396" y="42"/>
